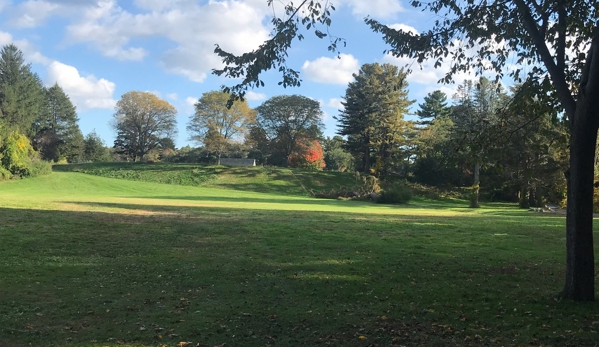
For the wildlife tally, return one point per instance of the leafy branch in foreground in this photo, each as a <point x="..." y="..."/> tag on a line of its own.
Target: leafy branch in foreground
<point x="272" y="54"/>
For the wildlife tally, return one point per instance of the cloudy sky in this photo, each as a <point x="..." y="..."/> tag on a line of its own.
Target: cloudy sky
<point x="97" y="50"/>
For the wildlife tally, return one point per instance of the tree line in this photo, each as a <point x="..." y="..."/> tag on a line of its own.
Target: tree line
<point x="506" y="145"/>
<point x="38" y="124"/>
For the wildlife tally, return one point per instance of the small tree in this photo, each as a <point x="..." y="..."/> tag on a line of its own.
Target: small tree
<point x="94" y="149"/>
<point x="309" y="155"/>
<point x="335" y="156"/>
<point x="141" y="121"/>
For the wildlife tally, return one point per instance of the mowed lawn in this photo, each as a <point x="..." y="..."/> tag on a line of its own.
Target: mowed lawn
<point x="94" y="261"/>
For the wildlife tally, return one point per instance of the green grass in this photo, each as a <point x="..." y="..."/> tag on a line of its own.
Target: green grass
<point x="276" y="180"/>
<point x="94" y="261"/>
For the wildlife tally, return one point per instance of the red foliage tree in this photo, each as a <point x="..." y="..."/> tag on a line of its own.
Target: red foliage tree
<point x="308" y="154"/>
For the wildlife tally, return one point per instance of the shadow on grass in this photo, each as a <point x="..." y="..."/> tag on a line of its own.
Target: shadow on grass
<point x="215" y="275"/>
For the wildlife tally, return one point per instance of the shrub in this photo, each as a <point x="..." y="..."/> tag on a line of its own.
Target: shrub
<point x="396" y="193"/>
<point x="308" y="155"/>
<point x="39" y="167"/>
<point x="16" y="153"/>
<point x="4" y="174"/>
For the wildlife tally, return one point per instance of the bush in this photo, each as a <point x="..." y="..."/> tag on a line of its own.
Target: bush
<point x="4" y="174"/>
<point x="39" y="167"/>
<point x="16" y="153"/>
<point x="396" y="193"/>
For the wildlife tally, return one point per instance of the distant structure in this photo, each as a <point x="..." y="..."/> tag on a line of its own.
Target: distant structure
<point x="237" y="162"/>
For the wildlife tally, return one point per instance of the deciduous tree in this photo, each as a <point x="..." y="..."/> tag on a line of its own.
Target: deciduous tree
<point x="141" y="120"/>
<point x="287" y="119"/>
<point x="215" y="125"/>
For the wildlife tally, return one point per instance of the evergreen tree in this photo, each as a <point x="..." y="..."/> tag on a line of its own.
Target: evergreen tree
<point x="94" y="149"/>
<point x="434" y="107"/>
<point x="373" y="118"/>
<point x="59" y="135"/>
<point x="22" y="98"/>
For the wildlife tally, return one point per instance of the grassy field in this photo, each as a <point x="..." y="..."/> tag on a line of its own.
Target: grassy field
<point x="286" y="181"/>
<point x="94" y="261"/>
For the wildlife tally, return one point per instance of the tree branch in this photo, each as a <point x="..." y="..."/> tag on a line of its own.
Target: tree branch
<point x="557" y="76"/>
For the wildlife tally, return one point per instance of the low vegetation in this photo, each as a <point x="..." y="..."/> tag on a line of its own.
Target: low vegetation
<point x="92" y="261"/>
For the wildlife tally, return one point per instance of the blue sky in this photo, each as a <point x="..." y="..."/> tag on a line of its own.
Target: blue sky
<point x="97" y="50"/>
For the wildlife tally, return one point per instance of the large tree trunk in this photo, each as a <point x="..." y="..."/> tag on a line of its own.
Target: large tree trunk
<point x="580" y="271"/>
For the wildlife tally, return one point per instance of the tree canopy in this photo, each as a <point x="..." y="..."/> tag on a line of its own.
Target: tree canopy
<point x="215" y="125"/>
<point x="287" y="119"/>
<point x="141" y="120"/>
<point x="373" y="115"/>
<point x="433" y="107"/>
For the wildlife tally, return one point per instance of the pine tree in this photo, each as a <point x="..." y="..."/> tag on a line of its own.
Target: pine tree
<point x="434" y="107"/>
<point x="373" y="118"/>
<point x="22" y="98"/>
<point x="59" y="135"/>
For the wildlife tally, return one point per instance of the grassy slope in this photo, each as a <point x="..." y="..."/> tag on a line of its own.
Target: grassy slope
<point x="94" y="261"/>
<point x="258" y="179"/>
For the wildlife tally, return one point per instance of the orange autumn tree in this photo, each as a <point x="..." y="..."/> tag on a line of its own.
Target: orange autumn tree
<point x="308" y="154"/>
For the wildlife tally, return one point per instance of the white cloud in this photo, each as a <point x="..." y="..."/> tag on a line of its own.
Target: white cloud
<point x="85" y="92"/>
<point x="31" y="14"/>
<point x="404" y="27"/>
<point x="335" y="103"/>
<point x="191" y="101"/>
<point x="253" y="96"/>
<point x="375" y="8"/>
<point x="332" y="70"/>
<point x="426" y="74"/>
<point x="30" y="52"/>
<point x="3" y="4"/>
<point x="5" y="38"/>
<point x="236" y="25"/>
<point x="172" y="96"/>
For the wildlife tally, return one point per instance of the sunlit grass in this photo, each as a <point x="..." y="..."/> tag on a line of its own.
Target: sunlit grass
<point x="94" y="261"/>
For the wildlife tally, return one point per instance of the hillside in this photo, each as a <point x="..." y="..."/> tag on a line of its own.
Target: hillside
<point x="256" y="179"/>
